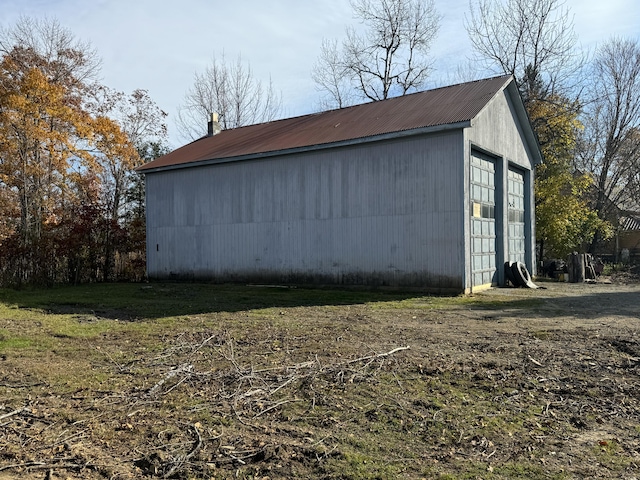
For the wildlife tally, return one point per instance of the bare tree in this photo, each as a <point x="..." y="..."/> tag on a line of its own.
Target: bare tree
<point x="64" y="57"/>
<point x="232" y="91"/>
<point x="529" y="39"/>
<point x="389" y="58"/>
<point x="331" y="77"/>
<point x="610" y="144"/>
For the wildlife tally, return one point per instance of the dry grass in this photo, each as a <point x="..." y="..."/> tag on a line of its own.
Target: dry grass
<point x="203" y="381"/>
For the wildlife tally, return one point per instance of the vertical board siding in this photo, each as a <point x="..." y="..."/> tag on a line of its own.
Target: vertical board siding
<point x="386" y="213"/>
<point x="497" y="130"/>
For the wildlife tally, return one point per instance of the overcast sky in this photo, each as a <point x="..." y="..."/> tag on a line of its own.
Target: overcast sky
<point x="158" y="45"/>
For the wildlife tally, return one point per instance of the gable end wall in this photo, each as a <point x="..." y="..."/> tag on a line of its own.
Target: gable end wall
<point x="497" y="130"/>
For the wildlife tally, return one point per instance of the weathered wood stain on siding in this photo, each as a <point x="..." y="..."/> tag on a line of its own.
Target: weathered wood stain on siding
<point x="387" y="213"/>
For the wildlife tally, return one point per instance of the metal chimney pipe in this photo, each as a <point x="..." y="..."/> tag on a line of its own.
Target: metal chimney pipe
<point x="213" y="127"/>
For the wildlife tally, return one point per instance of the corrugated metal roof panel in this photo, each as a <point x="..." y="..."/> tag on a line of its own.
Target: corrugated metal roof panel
<point x="630" y="223"/>
<point x="441" y="106"/>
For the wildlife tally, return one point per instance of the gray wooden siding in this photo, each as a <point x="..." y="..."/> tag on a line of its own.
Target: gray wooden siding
<point x="385" y="213"/>
<point x="497" y="129"/>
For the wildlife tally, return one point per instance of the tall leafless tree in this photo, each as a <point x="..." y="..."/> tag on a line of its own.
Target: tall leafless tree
<point x="65" y="58"/>
<point x="529" y="39"/>
<point x="610" y="144"/>
<point x="331" y="77"/>
<point x="232" y="91"/>
<point x="387" y="57"/>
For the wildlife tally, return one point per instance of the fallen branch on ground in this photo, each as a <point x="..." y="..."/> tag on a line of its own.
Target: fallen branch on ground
<point x="15" y="412"/>
<point x="374" y="357"/>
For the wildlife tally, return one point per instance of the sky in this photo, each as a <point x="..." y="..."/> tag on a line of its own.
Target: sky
<point x="159" y="45"/>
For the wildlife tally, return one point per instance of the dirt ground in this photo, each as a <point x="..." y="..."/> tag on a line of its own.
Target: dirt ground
<point x="511" y="383"/>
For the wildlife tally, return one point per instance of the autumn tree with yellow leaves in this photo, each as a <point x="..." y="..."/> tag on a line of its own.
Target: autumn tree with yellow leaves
<point x="56" y="150"/>
<point x="565" y="220"/>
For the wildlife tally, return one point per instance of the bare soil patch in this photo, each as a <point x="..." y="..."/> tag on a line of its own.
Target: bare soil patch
<point x="509" y="383"/>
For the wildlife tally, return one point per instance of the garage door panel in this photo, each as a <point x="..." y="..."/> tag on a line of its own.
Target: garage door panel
<point x="483" y="223"/>
<point x="516" y="216"/>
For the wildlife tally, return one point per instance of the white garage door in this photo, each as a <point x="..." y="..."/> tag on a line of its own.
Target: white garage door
<point x="483" y="220"/>
<point x="516" y="217"/>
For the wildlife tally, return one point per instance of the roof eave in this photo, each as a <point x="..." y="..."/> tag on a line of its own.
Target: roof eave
<point x="311" y="148"/>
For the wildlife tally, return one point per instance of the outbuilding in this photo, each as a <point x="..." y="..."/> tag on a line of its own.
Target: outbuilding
<point x="431" y="190"/>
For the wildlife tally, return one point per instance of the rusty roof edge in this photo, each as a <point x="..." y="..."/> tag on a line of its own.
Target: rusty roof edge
<point x="310" y="148"/>
<point x="508" y="79"/>
<point x="511" y="89"/>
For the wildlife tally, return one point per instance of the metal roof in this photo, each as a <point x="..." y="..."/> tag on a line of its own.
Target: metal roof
<point x="432" y="108"/>
<point x="630" y="223"/>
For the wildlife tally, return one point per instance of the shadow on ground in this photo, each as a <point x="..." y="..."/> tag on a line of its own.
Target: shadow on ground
<point x="588" y="301"/>
<point x="134" y="301"/>
<point x="155" y="300"/>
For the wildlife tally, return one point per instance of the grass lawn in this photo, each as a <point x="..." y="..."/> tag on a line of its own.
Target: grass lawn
<point x="115" y="381"/>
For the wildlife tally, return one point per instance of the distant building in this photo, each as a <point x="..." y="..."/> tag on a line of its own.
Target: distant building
<point x="431" y="190"/>
<point x="625" y="244"/>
